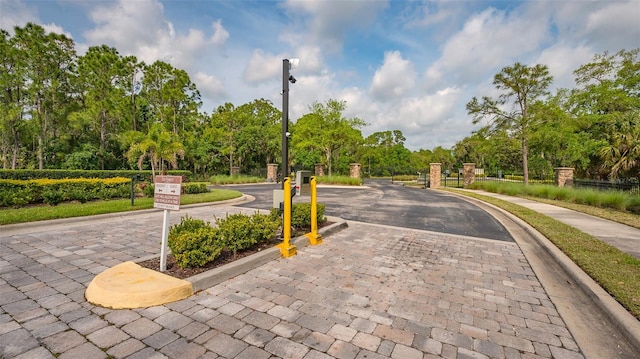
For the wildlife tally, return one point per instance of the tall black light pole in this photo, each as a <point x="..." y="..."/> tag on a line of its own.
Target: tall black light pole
<point x="286" y="78"/>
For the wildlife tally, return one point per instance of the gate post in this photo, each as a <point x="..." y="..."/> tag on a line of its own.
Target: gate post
<point x="435" y="173"/>
<point x="469" y="174"/>
<point x="272" y="172"/>
<point x="354" y="170"/>
<point x="564" y="176"/>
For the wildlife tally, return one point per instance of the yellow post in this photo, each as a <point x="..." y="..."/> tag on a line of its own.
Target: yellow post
<point x="286" y="248"/>
<point x="314" y="236"/>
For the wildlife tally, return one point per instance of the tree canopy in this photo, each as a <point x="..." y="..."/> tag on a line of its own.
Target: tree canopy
<point x="102" y="110"/>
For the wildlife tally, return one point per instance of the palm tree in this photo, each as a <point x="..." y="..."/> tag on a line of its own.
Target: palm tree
<point x="159" y="146"/>
<point x="622" y="155"/>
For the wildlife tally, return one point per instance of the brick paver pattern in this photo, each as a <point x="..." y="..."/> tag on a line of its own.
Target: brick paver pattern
<point x="366" y="292"/>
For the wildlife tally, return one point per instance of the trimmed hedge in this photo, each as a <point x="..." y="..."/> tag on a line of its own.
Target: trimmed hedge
<point x="60" y="174"/>
<point x="186" y="188"/>
<point x="16" y="193"/>
<point x="194" y="242"/>
<point x="301" y="215"/>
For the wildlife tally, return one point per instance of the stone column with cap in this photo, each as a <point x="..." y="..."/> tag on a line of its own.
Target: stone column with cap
<point x="272" y="172"/>
<point x="319" y="169"/>
<point x="435" y="175"/>
<point x="354" y="170"/>
<point x="564" y="176"/>
<point x="468" y="174"/>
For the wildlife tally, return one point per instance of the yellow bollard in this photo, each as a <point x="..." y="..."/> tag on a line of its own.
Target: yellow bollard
<point x="286" y="248"/>
<point x="314" y="237"/>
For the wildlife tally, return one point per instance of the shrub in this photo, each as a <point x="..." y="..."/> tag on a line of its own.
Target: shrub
<point x="301" y="214"/>
<point x="195" y="248"/>
<point x="235" y="232"/>
<point x="194" y="187"/>
<point x="52" y="197"/>
<point x="264" y="226"/>
<point x="193" y="242"/>
<point x="187" y="224"/>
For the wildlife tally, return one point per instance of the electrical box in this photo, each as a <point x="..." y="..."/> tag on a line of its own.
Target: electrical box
<point x="278" y="198"/>
<point x="303" y="183"/>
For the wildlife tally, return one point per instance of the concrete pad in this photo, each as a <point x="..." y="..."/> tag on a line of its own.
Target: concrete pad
<point x="128" y="285"/>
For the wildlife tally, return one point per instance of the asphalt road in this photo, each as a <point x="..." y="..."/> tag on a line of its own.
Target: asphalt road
<point x="381" y="202"/>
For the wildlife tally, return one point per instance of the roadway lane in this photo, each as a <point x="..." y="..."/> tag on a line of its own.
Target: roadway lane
<point x="381" y="202"/>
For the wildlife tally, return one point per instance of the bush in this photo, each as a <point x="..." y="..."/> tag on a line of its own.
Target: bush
<point x="235" y="232"/>
<point x="186" y="188"/>
<point x="54" y="191"/>
<point x="195" y="248"/>
<point x="301" y="214"/>
<point x="193" y="242"/>
<point x="52" y="197"/>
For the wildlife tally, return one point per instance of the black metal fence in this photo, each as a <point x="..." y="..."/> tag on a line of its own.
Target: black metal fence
<point x="627" y="185"/>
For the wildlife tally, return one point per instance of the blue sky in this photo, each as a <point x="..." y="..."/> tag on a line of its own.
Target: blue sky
<point x="407" y="65"/>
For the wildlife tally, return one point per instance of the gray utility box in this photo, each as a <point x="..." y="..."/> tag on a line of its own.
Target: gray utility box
<point x="278" y="198"/>
<point x="303" y="183"/>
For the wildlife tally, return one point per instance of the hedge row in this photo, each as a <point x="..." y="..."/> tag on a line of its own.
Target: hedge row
<point x="60" y="174"/>
<point x="194" y="242"/>
<point x="186" y="187"/>
<point x="16" y="193"/>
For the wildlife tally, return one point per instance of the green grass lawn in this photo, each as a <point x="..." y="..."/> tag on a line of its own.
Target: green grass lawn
<point x="68" y="210"/>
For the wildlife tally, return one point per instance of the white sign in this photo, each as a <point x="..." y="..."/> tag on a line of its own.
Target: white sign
<point x="167" y="192"/>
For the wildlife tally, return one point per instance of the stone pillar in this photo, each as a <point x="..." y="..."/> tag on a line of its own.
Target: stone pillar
<point x="468" y="174"/>
<point x="564" y="176"/>
<point x="272" y="172"/>
<point x="354" y="170"/>
<point x="235" y="171"/>
<point x="319" y="170"/>
<point x="435" y="175"/>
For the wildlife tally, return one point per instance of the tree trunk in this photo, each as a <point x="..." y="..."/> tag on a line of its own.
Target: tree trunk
<point x="525" y="162"/>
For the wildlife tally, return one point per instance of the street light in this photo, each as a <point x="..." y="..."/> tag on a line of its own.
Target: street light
<point x="287" y="65"/>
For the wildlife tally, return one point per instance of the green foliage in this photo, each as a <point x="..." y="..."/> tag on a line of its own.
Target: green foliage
<point x="195" y="248"/>
<point x="617" y="200"/>
<point x="24" y="174"/>
<point x="73" y="209"/>
<point x="20" y="193"/>
<point x="236" y="179"/>
<point x="193" y="242"/>
<point x="186" y="187"/>
<point x="339" y="180"/>
<point x="301" y="214"/>
<point x="235" y="232"/>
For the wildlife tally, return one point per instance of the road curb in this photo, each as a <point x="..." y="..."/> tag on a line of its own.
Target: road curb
<point x="626" y="323"/>
<point x="10" y="229"/>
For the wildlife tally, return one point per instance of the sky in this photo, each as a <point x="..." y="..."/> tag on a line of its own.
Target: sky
<point x="399" y="65"/>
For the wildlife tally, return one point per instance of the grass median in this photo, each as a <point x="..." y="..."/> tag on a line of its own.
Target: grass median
<point x="68" y="210"/>
<point x="616" y="271"/>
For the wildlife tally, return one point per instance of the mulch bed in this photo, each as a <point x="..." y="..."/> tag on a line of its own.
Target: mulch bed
<point x="224" y="258"/>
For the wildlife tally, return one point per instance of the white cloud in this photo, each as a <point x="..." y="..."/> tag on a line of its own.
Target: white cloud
<point x="262" y="67"/>
<point x="220" y="34"/>
<point x="326" y="22"/>
<point x="209" y="85"/>
<point x="394" y="78"/>
<point x="620" y="18"/>
<point x="488" y="41"/>
<point x="562" y="59"/>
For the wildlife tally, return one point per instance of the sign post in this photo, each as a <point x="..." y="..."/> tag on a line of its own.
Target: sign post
<point x="166" y="195"/>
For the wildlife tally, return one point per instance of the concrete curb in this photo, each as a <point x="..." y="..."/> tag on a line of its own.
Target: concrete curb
<point x="16" y="228"/>
<point x="218" y="275"/>
<point x="628" y="325"/>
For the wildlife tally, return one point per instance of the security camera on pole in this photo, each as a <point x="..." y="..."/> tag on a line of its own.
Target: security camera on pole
<point x="286" y="248"/>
